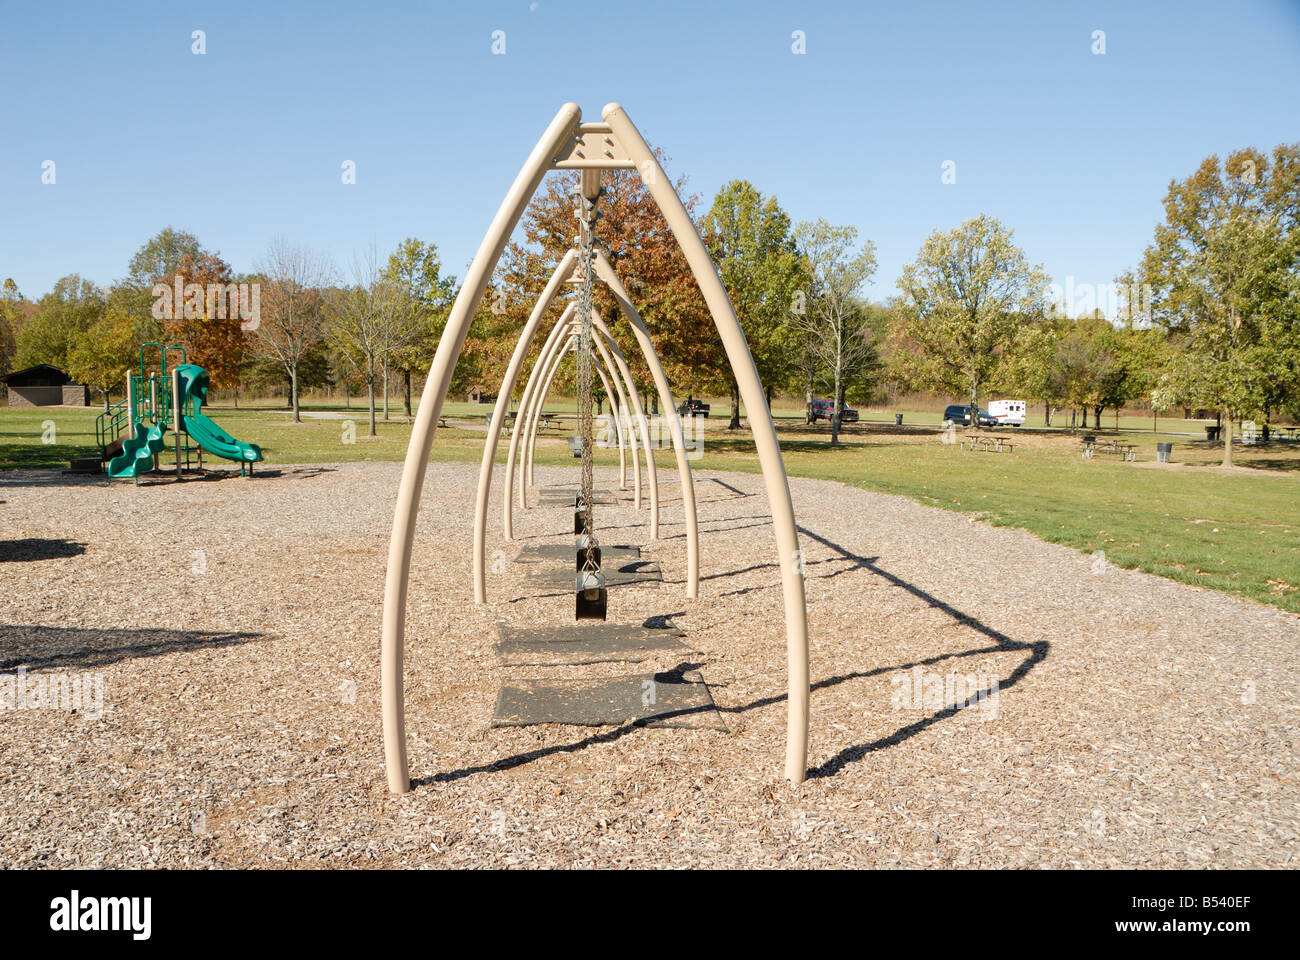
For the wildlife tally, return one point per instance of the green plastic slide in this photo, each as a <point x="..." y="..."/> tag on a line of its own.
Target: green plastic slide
<point x="213" y="439"/>
<point x="204" y="430"/>
<point x="137" y="451"/>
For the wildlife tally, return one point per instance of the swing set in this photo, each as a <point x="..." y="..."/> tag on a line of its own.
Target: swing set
<point x="589" y="147"/>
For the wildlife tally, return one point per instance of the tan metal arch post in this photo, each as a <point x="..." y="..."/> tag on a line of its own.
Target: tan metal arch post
<point x="620" y="367"/>
<point x="524" y="416"/>
<point x="622" y="422"/>
<point x="533" y="413"/>
<point x="652" y="478"/>
<point x="540" y="374"/>
<point x="620" y="435"/>
<point x="760" y="424"/>
<point x="687" y="481"/>
<point x="619" y="438"/>
<point x="498" y="417"/>
<point x="605" y="271"/>
<point x="555" y="141"/>
<point x="569" y="144"/>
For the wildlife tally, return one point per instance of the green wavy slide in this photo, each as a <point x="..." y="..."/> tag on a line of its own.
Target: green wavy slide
<point x="137" y="451"/>
<point x="205" y="431"/>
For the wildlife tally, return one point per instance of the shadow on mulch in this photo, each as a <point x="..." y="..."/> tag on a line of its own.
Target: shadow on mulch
<point x="1000" y="643"/>
<point x="26" y="551"/>
<point x="39" y="647"/>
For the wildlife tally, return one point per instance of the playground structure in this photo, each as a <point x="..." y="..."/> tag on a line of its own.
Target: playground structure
<point x="570" y="144"/>
<point x="131" y="433"/>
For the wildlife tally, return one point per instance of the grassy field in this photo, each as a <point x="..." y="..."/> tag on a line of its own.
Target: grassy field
<point x="1235" y="530"/>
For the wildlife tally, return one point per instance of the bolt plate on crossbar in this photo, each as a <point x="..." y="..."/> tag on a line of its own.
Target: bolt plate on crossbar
<point x="594" y="147"/>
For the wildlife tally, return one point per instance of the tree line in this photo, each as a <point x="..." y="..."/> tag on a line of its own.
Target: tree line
<point x="1209" y="319"/>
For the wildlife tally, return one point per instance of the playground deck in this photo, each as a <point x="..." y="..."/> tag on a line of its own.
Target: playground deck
<point x="235" y="635"/>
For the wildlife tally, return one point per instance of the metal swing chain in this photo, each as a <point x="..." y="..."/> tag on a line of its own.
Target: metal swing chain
<point x="587" y="215"/>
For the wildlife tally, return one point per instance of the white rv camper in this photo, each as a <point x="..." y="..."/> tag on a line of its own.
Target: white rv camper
<point x="1010" y="413"/>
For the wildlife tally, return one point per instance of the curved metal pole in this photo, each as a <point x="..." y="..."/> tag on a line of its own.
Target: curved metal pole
<point x="541" y="369"/>
<point x="605" y="339"/>
<point x="605" y="271"/>
<point x="621" y="422"/>
<point x="498" y="417"/>
<point x="626" y="429"/>
<point x="534" y="421"/>
<point x="620" y="368"/>
<point x="553" y="140"/>
<point x="533" y="411"/>
<point x="524" y="415"/>
<point x="530" y="438"/>
<point x="760" y="424"/>
<point x="618" y="430"/>
<point x="620" y="437"/>
<point x="605" y="360"/>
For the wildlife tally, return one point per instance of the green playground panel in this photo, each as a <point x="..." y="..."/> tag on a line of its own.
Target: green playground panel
<point x="150" y="407"/>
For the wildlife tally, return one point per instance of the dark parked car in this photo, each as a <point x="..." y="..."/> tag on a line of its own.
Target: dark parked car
<point x="959" y="414"/>
<point x="693" y="408"/>
<point x="822" y="409"/>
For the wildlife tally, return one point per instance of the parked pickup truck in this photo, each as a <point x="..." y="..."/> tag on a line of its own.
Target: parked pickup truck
<point x="693" y="408"/>
<point x="822" y="409"/>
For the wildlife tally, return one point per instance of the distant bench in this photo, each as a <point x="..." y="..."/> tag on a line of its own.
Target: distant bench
<point x="1091" y="445"/>
<point x="544" y="421"/>
<point x="979" y="441"/>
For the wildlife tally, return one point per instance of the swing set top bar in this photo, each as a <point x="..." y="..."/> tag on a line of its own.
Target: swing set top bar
<point x="570" y="144"/>
<point x="593" y="146"/>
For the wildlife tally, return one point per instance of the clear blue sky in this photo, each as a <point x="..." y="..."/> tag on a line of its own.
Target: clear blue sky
<point x="1072" y="150"/>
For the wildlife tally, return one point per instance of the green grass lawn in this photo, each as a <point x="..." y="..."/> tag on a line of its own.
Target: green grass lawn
<point x="1237" y="531"/>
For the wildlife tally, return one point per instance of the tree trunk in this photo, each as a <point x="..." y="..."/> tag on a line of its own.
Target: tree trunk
<point x="1047" y="414"/>
<point x="406" y="388"/>
<point x="1225" y="433"/>
<point x="293" y="396"/>
<point x="974" y="404"/>
<point x="767" y="389"/>
<point x="735" y="406"/>
<point x="1096" y="416"/>
<point x="385" y="389"/>
<point x="807" y="397"/>
<point x="835" y="406"/>
<point x="370" y="384"/>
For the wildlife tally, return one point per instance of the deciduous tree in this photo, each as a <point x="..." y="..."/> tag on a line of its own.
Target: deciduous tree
<point x="834" y="322"/>
<point x="750" y="239"/>
<point x="1222" y="267"/>
<point x="293" y="309"/>
<point x="964" y="299"/>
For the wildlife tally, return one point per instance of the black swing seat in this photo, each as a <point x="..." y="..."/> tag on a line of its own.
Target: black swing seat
<point x="591" y="596"/>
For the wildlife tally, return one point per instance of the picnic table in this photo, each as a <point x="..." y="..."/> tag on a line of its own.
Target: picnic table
<point x="1091" y="445"/>
<point x="989" y="444"/>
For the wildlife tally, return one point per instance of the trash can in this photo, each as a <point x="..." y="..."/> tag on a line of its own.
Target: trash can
<point x="1163" y="450"/>
<point x="898" y="419"/>
<point x="1212" y="433"/>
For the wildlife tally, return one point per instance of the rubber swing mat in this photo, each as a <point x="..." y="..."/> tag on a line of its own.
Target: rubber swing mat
<point x="645" y="699"/>
<point x="585" y="643"/>
<point x="617" y="573"/>
<point x="562" y="551"/>
<point x="559" y="498"/>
